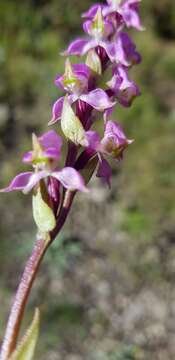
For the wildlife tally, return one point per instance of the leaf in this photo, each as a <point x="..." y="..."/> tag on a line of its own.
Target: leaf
<point x="25" y="350"/>
<point x="71" y="125"/>
<point x="43" y="214"/>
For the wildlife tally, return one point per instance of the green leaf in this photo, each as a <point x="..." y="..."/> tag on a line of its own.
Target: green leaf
<point x="25" y="350"/>
<point x="43" y="214"/>
<point x="71" y="125"/>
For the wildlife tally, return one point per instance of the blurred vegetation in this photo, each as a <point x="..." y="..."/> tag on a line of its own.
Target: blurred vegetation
<point x="140" y="207"/>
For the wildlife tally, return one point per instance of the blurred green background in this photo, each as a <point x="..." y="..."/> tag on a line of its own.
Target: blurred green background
<point x="106" y="289"/>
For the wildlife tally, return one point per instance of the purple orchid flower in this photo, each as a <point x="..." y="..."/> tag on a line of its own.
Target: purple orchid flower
<point x="125" y="12"/>
<point x="132" y="55"/>
<point x="76" y="81"/>
<point x="116" y="45"/>
<point x="124" y="51"/>
<point x="129" y="9"/>
<point x="101" y="32"/>
<point x="113" y="145"/>
<point x="46" y="149"/>
<point x="122" y="87"/>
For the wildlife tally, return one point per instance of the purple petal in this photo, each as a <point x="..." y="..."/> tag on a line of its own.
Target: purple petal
<point x="98" y="99"/>
<point x="110" y="49"/>
<point x="82" y="69"/>
<point x="52" y="143"/>
<point x="70" y="179"/>
<point x="58" y="82"/>
<point x="27" y="158"/>
<point x="57" y="111"/>
<point x="129" y="49"/>
<point x="19" y="182"/>
<point x="34" y="180"/>
<point x="115" y="51"/>
<point x="120" y="52"/>
<point x="104" y="171"/>
<point x="114" y="141"/>
<point x="87" y="27"/>
<point x="128" y="93"/>
<point x="130" y="13"/>
<point x="114" y="129"/>
<point x="132" y="19"/>
<point x="78" y="47"/>
<point x="124" y="89"/>
<point x="92" y="11"/>
<point x="93" y="139"/>
<point x="115" y="82"/>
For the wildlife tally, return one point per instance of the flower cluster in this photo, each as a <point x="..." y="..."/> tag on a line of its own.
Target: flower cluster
<point x="106" y="48"/>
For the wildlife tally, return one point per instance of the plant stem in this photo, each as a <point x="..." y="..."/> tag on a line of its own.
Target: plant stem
<point x="22" y="294"/>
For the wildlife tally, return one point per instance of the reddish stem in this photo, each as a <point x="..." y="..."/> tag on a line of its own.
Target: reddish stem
<point x="21" y="298"/>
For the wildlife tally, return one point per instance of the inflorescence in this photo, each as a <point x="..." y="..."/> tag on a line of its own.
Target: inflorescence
<point x="108" y="52"/>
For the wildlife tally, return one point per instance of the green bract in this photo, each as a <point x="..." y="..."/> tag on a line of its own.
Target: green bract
<point x="43" y="214"/>
<point x="71" y="125"/>
<point x="25" y="350"/>
<point x="93" y="61"/>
